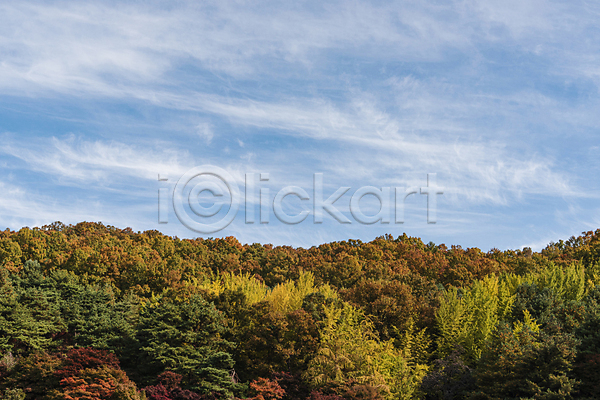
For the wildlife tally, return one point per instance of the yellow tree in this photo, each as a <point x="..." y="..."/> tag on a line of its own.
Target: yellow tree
<point x="350" y="353"/>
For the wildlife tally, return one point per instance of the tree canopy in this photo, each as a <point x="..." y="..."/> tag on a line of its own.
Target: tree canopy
<point x="92" y="311"/>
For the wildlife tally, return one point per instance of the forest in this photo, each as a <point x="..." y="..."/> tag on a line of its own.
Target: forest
<point x="90" y="311"/>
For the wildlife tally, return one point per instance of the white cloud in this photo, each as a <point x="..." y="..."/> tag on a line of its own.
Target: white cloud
<point x="103" y="49"/>
<point x="205" y="131"/>
<point x="88" y="161"/>
<point x="479" y="92"/>
<point x="482" y="169"/>
<point x="20" y="207"/>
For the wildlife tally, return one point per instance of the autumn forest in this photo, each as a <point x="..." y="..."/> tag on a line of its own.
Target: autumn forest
<point x="90" y="311"/>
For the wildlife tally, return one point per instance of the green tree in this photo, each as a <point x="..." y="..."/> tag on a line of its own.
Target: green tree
<point x="186" y="337"/>
<point x="29" y="311"/>
<point x="523" y="363"/>
<point x="587" y="366"/>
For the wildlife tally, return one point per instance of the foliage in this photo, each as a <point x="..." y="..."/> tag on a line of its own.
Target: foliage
<point x="521" y="363"/>
<point x="13" y="394"/>
<point x="78" y="373"/>
<point x="186" y="337"/>
<point x="587" y="366"/>
<point x="450" y="378"/>
<point x="283" y="297"/>
<point x="269" y="341"/>
<point x="469" y="317"/>
<point x="350" y="351"/>
<point x="168" y="389"/>
<point x="94" y="311"/>
<point x="266" y="389"/>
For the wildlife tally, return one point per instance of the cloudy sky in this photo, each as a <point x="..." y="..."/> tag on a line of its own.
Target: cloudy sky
<point x="499" y="99"/>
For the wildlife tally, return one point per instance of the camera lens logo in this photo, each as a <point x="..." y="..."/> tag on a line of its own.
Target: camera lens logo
<point x="202" y="185"/>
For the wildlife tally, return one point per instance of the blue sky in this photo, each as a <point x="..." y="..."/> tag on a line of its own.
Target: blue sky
<point x="499" y="98"/>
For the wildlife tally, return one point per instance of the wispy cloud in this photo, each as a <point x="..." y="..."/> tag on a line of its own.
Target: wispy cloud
<point x="497" y="97"/>
<point x="87" y="161"/>
<point x="21" y="207"/>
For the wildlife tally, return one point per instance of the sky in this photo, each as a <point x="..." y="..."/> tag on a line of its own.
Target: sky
<point x="499" y="99"/>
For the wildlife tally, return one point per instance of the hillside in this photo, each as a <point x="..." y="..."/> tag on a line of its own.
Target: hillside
<point x="96" y="312"/>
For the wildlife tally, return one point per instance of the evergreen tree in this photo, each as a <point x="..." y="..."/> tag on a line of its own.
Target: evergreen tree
<point x="186" y="337"/>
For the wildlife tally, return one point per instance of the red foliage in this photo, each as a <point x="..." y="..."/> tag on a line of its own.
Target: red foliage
<point x="169" y="379"/>
<point x="79" y="388"/>
<point x="158" y="392"/>
<point x="295" y="388"/>
<point x="77" y="360"/>
<point x="266" y="389"/>
<point x="314" y="395"/>
<point x="168" y="389"/>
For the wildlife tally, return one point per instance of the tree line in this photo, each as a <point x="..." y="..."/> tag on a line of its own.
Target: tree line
<point x="90" y="311"/>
